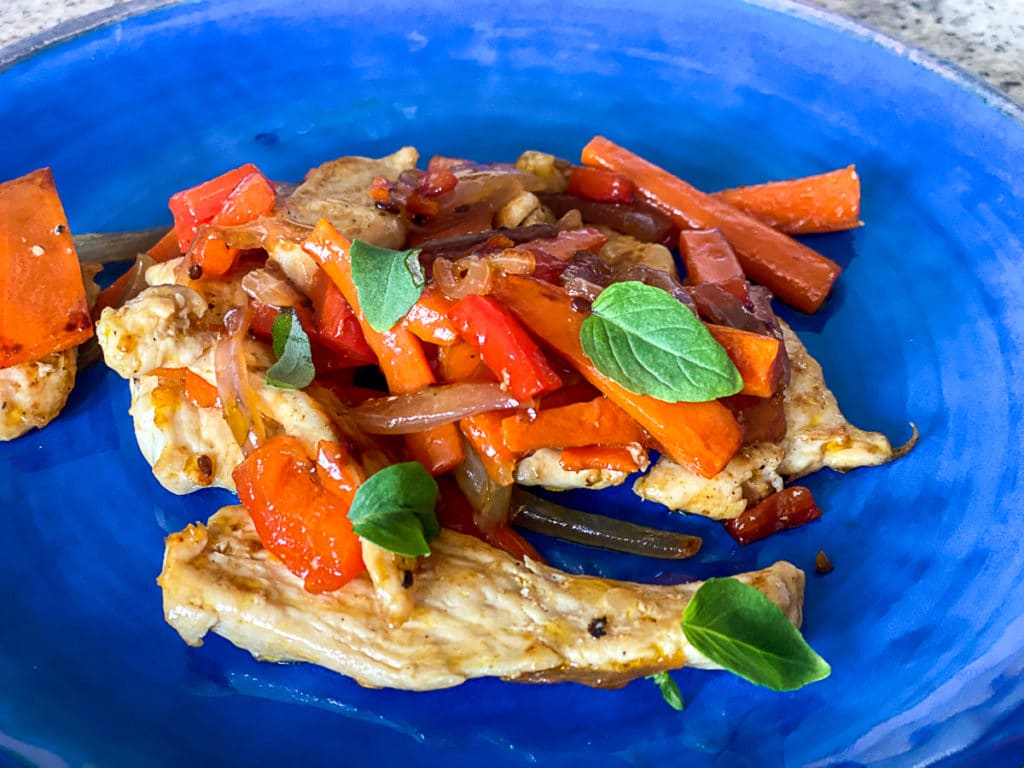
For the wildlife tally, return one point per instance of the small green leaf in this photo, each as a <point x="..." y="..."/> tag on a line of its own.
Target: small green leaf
<point x="740" y="629"/>
<point x="651" y="344"/>
<point x="387" y="282"/>
<point x="294" y="366"/>
<point x="669" y="690"/>
<point x="394" y="509"/>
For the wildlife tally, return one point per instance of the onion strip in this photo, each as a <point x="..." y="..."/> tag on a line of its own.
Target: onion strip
<point x="239" y="400"/>
<point x="430" y="407"/>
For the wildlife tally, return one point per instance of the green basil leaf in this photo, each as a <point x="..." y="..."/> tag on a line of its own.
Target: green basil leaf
<point x="387" y="282"/>
<point x="394" y="509"/>
<point x="669" y="690"/>
<point x="294" y="366"/>
<point x="651" y="344"/>
<point x="737" y="627"/>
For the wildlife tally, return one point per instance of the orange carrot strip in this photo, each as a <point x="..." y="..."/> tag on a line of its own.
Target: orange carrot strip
<point x="708" y="257"/>
<point x="428" y="318"/>
<point x="826" y="202"/>
<point x="483" y="431"/>
<point x="796" y="274"/>
<point x="400" y="354"/>
<point x="615" y="458"/>
<point x="759" y="359"/>
<point x="462" y="361"/>
<point x="571" y="426"/>
<point x="197" y="390"/>
<point x="702" y="436"/>
<point x="42" y="298"/>
<point x="165" y="249"/>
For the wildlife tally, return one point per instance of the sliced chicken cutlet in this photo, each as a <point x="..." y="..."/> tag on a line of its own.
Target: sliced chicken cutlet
<point x="817" y="436"/>
<point x="477" y="612"/>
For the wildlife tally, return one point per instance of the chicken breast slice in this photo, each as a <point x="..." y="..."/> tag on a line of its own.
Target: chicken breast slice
<point x="478" y="613"/>
<point x="817" y="436"/>
<point x="33" y="393"/>
<point x="339" y="191"/>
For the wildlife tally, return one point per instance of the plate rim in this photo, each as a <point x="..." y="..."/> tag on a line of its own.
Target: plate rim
<point x="51" y="37"/>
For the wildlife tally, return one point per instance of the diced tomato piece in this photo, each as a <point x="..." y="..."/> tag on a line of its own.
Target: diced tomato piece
<point x="300" y="509"/>
<point x="506" y="347"/>
<point x="599" y="184"/>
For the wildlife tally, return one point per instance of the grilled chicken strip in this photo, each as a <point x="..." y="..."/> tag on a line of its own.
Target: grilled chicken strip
<point x="33" y="393"/>
<point x="477" y="613"/>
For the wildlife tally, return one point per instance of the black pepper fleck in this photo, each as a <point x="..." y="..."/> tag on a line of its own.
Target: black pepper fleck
<point x="60" y="229"/>
<point x="598" y="627"/>
<point x="406" y="579"/>
<point x="205" y="465"/>
<point x="461" y="208"/>
<point x="195" y="272"/>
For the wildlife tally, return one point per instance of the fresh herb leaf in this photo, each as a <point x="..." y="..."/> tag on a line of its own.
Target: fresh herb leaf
<point x="669" y="690"/>
<point x="651" y="344"/>
<point x="387" y="282"/>
<point x="394" y="509"/>
<point x="737" y="627"/>
<point x="294" y="366"/>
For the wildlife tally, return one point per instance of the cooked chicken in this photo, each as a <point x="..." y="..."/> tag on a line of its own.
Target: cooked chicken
<point x="477" y="613"/>
<point x="33" y="393"/>
<point x="817" y="435"/>
<point x="542" y="468"/>
<point x="337" y="190"/>
<point x="625" y="251"/>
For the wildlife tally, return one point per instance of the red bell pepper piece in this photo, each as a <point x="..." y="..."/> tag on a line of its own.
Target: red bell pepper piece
<point x="300" y="509"/>
<point x="505" y="345"/>
<point x="599" y="184"/>
<point x="199" y="204"/>
<point x="789" y="508"/>
<point x="337" y="326"/>
<point x="42" y="297"/>
<point x="708" y="257"/>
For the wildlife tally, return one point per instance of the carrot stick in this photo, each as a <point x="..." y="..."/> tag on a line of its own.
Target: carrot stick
<point x="796" y="274"/>
<point x="400" y="354"/>
<point x="43" y="308"/>
<point x="483" y="431"/>
<point x="758" y="358"/>
<point x="708" y="257"/>
<point x="428" y="318"/>
<point x="462" y="361"/>
<point x="827" y="202"/>
<point x="702" y="436"/>
<point x="615" y="458"/>
<point x="572" y="426"/>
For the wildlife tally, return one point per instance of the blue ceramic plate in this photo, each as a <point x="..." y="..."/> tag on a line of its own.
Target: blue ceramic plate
<point x="923" y="617"/>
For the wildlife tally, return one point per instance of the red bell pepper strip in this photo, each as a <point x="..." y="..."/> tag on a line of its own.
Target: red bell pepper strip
<point x="300" y="509"/>
<point x="506" y="347"/>
<point x="399" y="353"/>
<point x="199" y="204"/>
<point x="42" y="297"/>
<point x="701" y="436"/>
<point x="789" y="508"/>
<point x="337" y="326"/>
<point x="796" y="274"/>
<point x="601" y="185"/>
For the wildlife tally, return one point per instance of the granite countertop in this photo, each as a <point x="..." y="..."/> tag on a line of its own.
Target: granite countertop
<point x="985" y="37"/>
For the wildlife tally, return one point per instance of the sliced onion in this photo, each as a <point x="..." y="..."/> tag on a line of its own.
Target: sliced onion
<point x="268" y="286"/>
<point x="240" y="404"/>
<point x="137" y="280"/>
<point x="430" y="407"/>
<point x="491" y="501"/>
<point x="466" y="277"/>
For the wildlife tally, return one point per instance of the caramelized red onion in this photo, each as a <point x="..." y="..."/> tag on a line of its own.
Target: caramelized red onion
<point x="430" y="407"/>
<point x="636" y="219"/>
<point x="491" y="501"/>
<point x="240" y="404"/>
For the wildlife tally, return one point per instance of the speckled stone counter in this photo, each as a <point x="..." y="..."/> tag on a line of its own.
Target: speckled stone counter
<point x="985" y="37"/>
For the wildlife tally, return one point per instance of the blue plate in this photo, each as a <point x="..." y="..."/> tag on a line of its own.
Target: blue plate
<point x="923" y="617"/>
